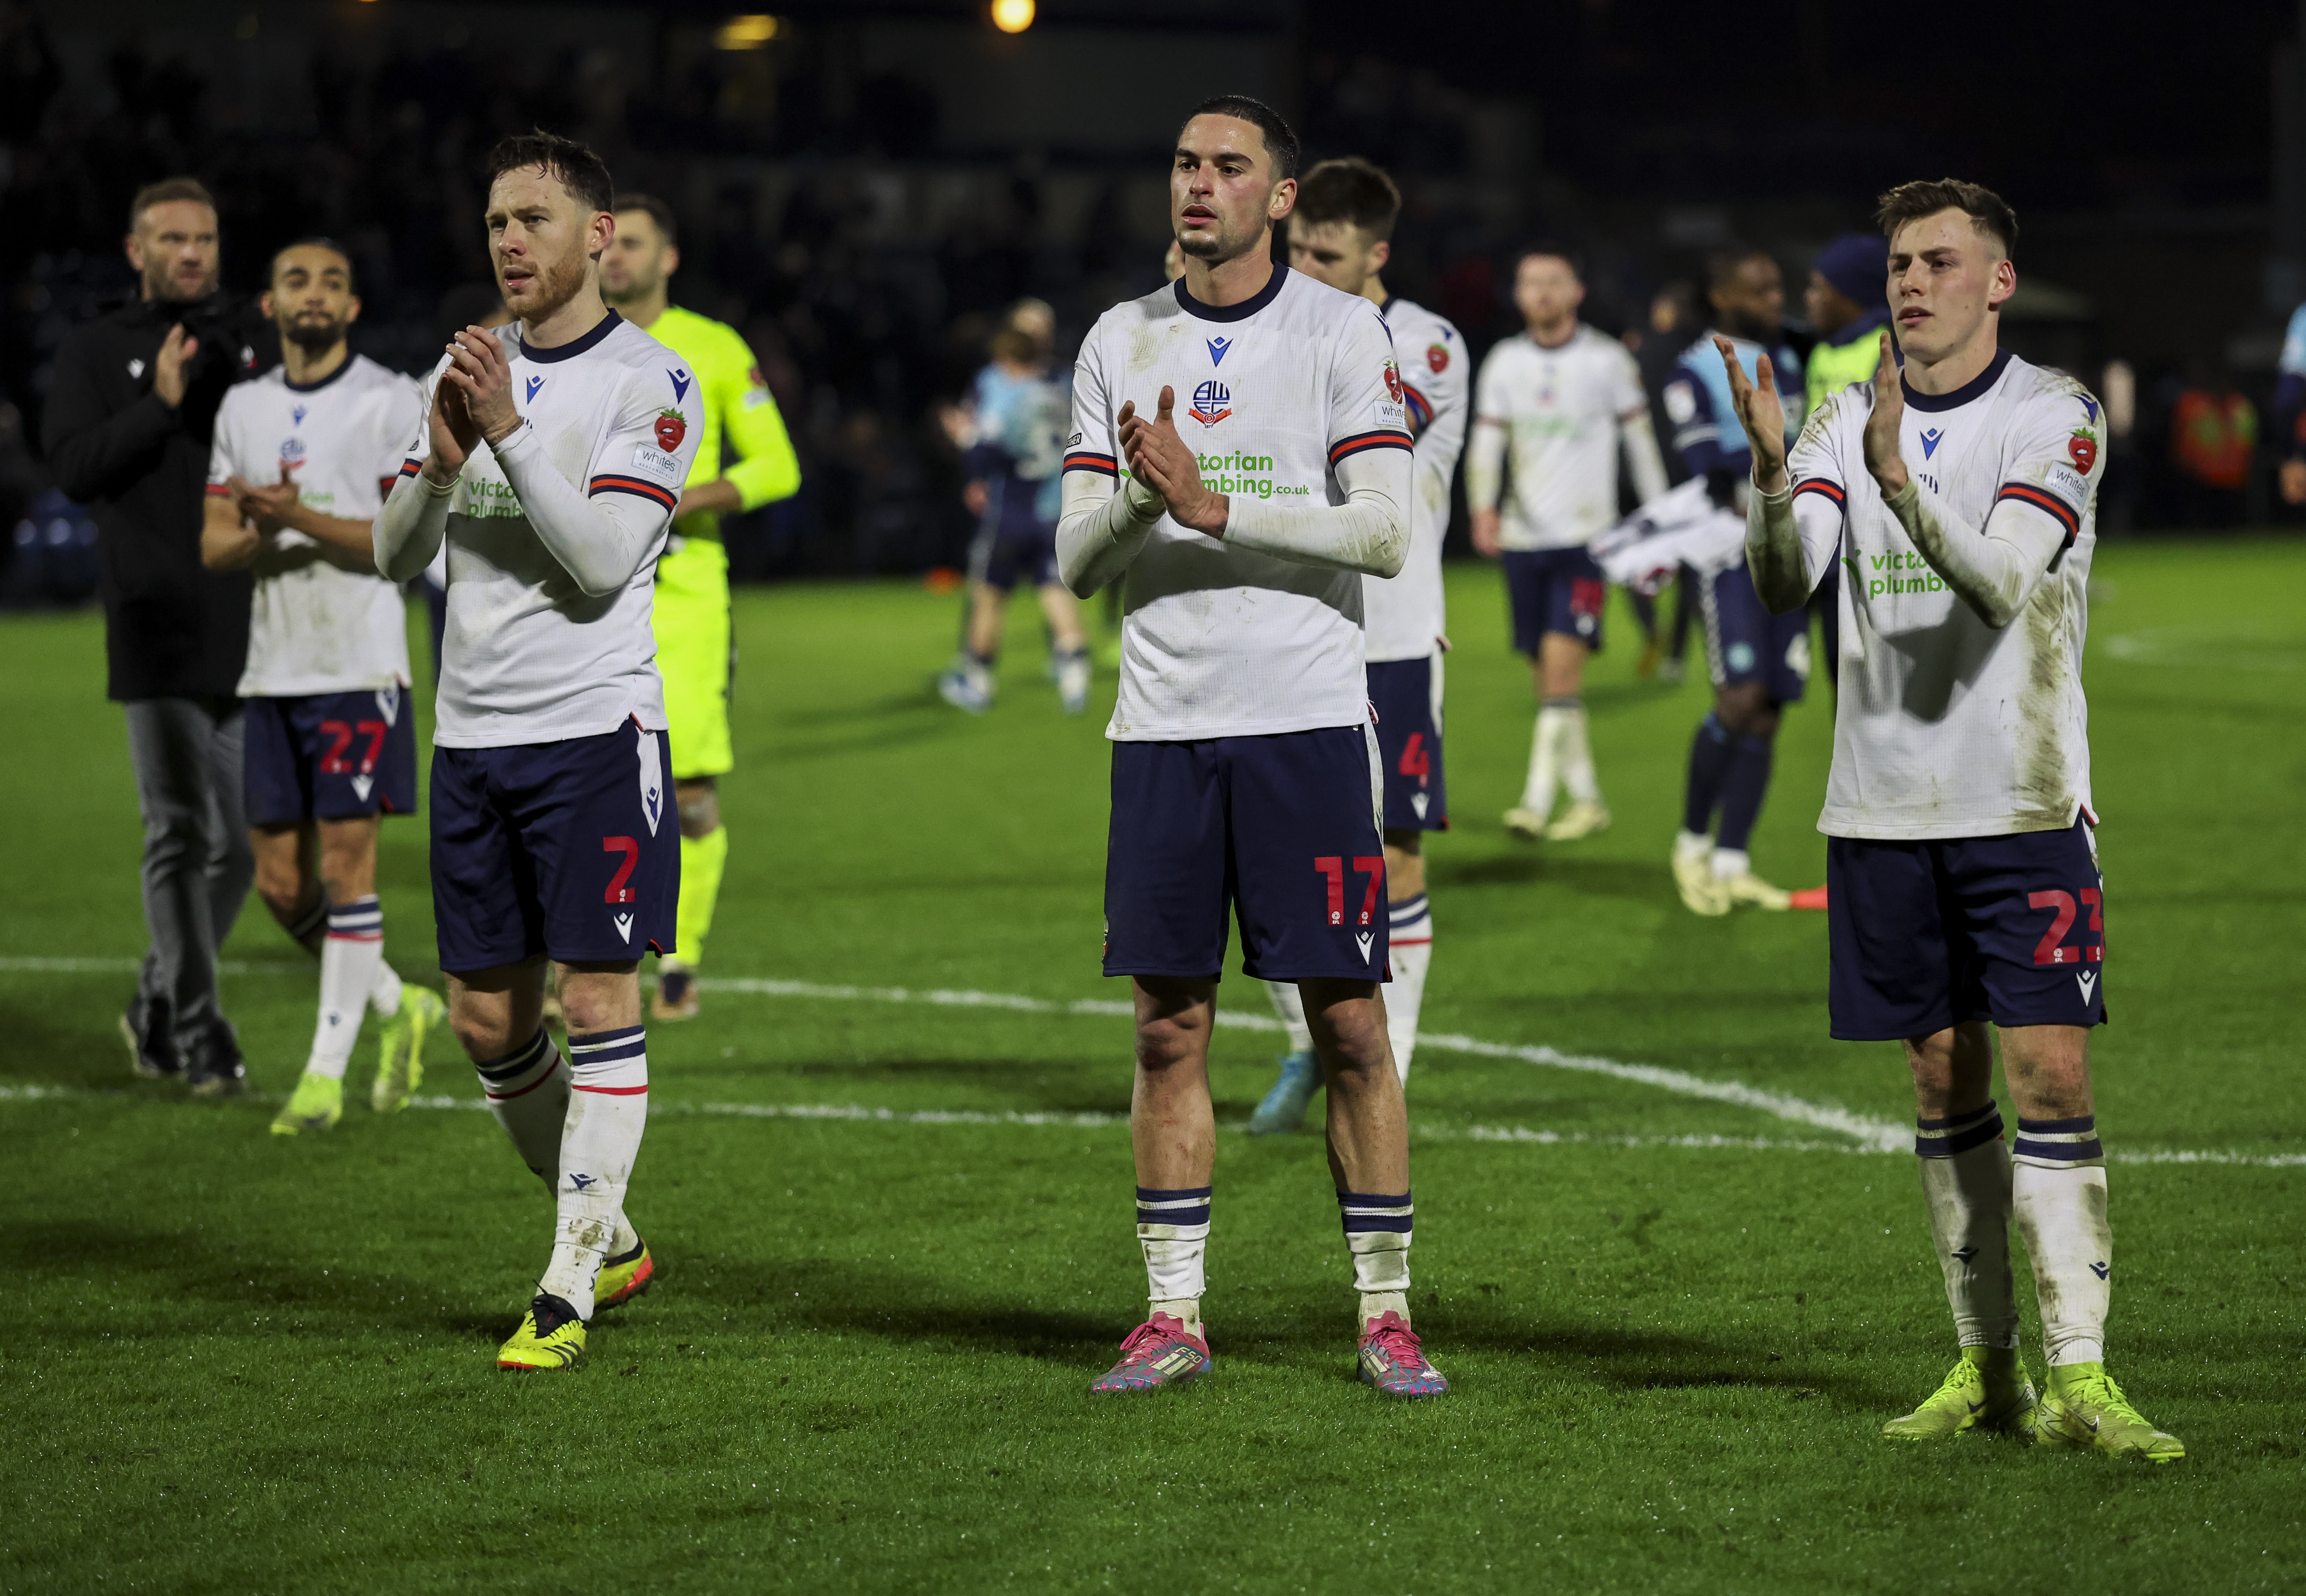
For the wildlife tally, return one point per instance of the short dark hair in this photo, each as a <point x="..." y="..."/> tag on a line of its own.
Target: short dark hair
<point x="1552" y="251"/>
<point x="1987" y="211"/>
<point x="164" y="191"/>
<point x="1722" y="266"/>
<point x="1280" y="143"/>
<point x="585" y="175"/>
<point x="1349" y="190"/>
<point x="658" y="211"/>
<point x="317" y="241"/>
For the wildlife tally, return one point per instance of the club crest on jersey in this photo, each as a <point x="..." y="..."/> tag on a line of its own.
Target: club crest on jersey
<point x="534" y="384"/>
<point x="1212" y="403"/>
<point x="1393" y="382"/>
<point x="1437" y="356"/>
<point x="292" y="452"/>
<point x="2082" y="449"/>
<point x="680" y="381"/>
<point x="1218" y="350"/>
<point x="671" y="427"/>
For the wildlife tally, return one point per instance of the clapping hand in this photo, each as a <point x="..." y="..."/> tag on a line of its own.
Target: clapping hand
<point x="1761" y="414"/>
<point x="1160" y="459"/>
<point x="1883" y="425"/>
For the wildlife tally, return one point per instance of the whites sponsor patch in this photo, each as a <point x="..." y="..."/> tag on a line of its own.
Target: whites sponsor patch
<point x="652" y="763"/>
<point x="2070" y="483"/>
<point x="1393" y="415"/>
<point x="655" y="463"/>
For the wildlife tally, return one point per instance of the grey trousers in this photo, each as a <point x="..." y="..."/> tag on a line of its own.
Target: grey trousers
<point x="198" y="865"/>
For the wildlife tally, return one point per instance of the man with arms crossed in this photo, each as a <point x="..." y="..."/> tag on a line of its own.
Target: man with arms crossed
<point x="696" y="649"/>
<point x="1341" y="233"/>
<point x="1960" y="496"/>
<point x="551" y="461"/>
<point x="1564" y="396"/>
<point x="302" y="459"/>
<point x="1244" y="766"/>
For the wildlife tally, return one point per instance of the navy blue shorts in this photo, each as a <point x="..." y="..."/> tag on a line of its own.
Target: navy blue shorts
<point x="330" y="756"/>
<point x="1003" y="556"/>
<point x="1406" y="694"/>
<point x="1282" y="828"/>
<point x="1929" y="934"/>
<point x="1554" y="590"/>
<point x="1745" y="642"/>
<point x="569" y="848"/>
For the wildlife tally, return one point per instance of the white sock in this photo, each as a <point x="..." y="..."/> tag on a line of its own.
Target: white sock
<point x="1730" y="862"/>
<point x="1544" y="763"/>
<point x="1290" y="1005"/>
<point x="1173" y="1229"/>
<point x="608" y="1110"/>
<point x="384" y="991"/>
<point x="1578" y="755"/>
<point x="1377" y="1235"/>
<point x="1411" y="955"/>
<point x="2058" y="1189"/>
<point x="351" y="954"/>
<point x="1966" y="1183"/>
<point x="528" y="1091"/>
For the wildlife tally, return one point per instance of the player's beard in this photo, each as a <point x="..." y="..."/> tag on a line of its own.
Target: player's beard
<point x="554" y="285"/>
<point x="315" y="336"/>
<point x="160" y="285"/>
<point x="1228" y="246"/>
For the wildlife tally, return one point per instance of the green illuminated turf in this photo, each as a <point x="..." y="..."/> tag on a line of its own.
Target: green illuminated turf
<point x="232" y="1362"/>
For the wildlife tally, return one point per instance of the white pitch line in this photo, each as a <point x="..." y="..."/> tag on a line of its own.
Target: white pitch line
<point x="1871" y="1135"/>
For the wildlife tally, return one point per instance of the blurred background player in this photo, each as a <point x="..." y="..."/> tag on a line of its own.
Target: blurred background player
<point x="1965" y="880"/>
<point x="551" y="835"/>
<point x="2289" y="410"/>
<point x="1013" y="453"/>
<point x="1341" y="233"/>
<point x="302" y="460"/>
<point x="1673" y="322"/>
<point x="1759" y="661"/>
<point x="127" y="429"/>
<point x="1244" y="766"/>
<point x="1557" y="399"/>
<point x="1848" y="311"/>
<point x="696" y="642"/>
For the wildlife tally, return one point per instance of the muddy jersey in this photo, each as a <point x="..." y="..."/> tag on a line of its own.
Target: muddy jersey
<point x="1945" y="725"/>
<point x="1559" y="411"/>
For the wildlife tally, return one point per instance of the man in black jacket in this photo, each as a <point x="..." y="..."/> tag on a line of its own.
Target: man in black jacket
<point x="126" y="430"/>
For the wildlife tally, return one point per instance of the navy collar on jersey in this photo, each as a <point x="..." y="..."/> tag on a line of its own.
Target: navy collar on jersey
<point x="343" y="366"/>
<point x="1963" y="395"/>
<point x="574" y="347"/>
<point x="1241" y="312"/>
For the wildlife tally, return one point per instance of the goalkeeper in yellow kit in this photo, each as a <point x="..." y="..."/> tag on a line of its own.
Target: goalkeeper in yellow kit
<point x="696" y="651"/>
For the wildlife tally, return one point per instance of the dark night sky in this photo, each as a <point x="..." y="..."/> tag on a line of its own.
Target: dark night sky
<point x="2063" y="106"/>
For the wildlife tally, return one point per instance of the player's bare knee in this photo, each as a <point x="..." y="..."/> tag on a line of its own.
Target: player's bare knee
<point x="2048" y="1067"/>
<point x="699" y="807"/>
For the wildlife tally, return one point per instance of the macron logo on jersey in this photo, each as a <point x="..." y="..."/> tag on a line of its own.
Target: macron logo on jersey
<point x="534" y="384"/>
<point x="1218" y="347"/>
<point x="680" y="381"/>
<point x="1212" y="403"/>
<point x="1930" y="437"/>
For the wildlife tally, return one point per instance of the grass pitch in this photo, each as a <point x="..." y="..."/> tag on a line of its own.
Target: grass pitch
<point x="1674" y="1320"/>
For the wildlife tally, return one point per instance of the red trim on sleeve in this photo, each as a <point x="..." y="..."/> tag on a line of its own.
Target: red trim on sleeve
<point x="1360" y="442"/>
<point x="220" y="490"/>
<point x="1825" y="487"/>
<point x="2048" y="503"/>
<point x="636" y="488"/>
<point x="1083" y="460"/>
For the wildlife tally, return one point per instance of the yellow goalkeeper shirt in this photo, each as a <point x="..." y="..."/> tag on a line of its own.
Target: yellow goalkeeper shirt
<point x="736" y="414"/>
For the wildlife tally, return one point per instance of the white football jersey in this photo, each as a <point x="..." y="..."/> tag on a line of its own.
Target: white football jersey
<point x="1560" y="410"/>
<point x="1217" y="641"/>
<point x="314" y="626"/>
<point x="1407" y="615"/>
<point x="1944" y="726"/>
<point x="528" y="657"/>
